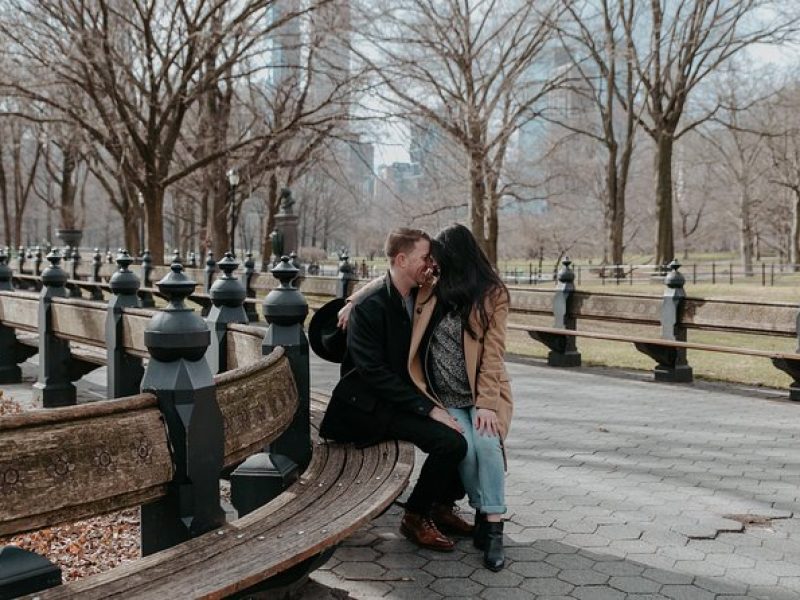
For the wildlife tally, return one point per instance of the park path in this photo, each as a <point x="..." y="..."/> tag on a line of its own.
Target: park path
<point x="618" y="488"/>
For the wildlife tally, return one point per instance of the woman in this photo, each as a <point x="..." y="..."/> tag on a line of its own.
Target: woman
<point x="456" y="359"/>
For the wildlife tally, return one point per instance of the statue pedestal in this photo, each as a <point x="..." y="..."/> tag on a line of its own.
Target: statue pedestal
<point x="287" y="226"/>
<point x="70" y="237"/>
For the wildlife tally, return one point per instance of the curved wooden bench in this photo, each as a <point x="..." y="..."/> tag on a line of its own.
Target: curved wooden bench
<point x="342" y="489"/>
<point x="64" y="464"/>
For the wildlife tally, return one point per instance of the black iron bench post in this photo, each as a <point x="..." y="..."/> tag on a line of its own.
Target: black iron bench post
<point x="53" y="386"/>
<point x="563" y="348"/>
<point x="97" y="264"/>
<point x="247" y="284"/>
<point x="178" y="374"/>
<point x="791" y="367"/>
<point x="264" y="476"/>
<point x="124" y="372"/>
<point x="227" y="296"/>
<point x="671" y="361"/>
<point x="146" y="297"/>
<point x="208" y="279"/>
<point x="75" y="261"/>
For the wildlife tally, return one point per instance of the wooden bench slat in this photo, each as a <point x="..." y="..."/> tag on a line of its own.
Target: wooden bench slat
<point x="657" y="342"/>
<point x="165" y="567"/>
<point x="257" y="403"/>
<point x="342" y="489"/>
<point x="65" y="464"/>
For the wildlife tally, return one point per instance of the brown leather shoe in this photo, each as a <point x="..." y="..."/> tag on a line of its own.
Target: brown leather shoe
<point x="423" y="532"/>
<point x="448" y="520"/>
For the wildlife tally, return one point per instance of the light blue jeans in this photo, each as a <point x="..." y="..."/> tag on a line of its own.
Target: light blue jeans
<point x="483" y="469"/>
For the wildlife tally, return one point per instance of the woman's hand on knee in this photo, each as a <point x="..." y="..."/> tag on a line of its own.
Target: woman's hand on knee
<point x="486" y="422"/>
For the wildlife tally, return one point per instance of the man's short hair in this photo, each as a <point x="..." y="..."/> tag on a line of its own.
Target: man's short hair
<point x="402" y="240"/>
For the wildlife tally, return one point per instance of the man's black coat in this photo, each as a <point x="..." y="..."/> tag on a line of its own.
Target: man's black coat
<point x="375" y="383"/>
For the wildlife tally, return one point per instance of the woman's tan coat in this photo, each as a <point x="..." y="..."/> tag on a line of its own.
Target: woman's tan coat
<point x="484" y="356"/>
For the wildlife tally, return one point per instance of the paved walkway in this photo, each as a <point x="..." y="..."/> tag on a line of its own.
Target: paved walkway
<point x="618" y="488"/>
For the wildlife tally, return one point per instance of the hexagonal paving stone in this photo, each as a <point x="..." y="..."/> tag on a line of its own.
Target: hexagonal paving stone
<point x="721" y="586"/>
<point x="686" y="592"/>
<point x="569" y="561"/>
<point x="359" y="570"/>
<point x="533" y="569"/>
<point x="524" y="553"/>
<point x="355" y="554"/>
<point x="448" y="569"/>
<point x="460" y="587"/>
<point x="582" y="577"/>
<point x="666" y="576"/>
<point x="504" y="578"/>
<point x="619" y="532"/>
<point x="412" y="592"/>
<point x="529" y="519"/>
<point x="579" y="526"/>
<point x="506" y="594"/>
<point x="597" y="593"/>
<point x="402" y="560"/>
<point x="587" y="540"/>
<point x="619" y="567"/>
<point x="634" y="584"/>
<point x="547" y="586"/>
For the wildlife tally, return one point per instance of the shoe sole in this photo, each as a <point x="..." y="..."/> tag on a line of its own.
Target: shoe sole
<point x="494" y="569"/>
<point x="411" y="538"/>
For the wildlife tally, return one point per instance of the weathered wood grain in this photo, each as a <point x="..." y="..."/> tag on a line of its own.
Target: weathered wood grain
<point x="81" y="321"/>
<point x="244" y="344"/>
<point x="134" y="323"/>
<point x="257" y="402"/>
<point x="617" y="307"/>
<point x="533" y="301"/>
<point x="64" y="464"/>
<point x="768" y="318"/>
<point x="341" y="490"/>
<point x="20" y="310"/>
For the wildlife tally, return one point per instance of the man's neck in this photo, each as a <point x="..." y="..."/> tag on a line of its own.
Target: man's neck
<point x="400" y="283"/>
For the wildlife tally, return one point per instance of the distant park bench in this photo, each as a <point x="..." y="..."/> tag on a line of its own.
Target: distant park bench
<point x="674" y="313"/>
<point x="166" y="448"/>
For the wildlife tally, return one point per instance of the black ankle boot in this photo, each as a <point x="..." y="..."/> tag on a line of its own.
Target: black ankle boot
<point x="479" y="531"/>
<point x="493" y="556"/>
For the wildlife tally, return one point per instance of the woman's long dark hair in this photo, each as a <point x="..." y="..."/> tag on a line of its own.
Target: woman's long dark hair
<point x="466" y="277"/>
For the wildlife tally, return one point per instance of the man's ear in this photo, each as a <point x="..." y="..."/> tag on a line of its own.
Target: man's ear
<point x="401" y="259"/>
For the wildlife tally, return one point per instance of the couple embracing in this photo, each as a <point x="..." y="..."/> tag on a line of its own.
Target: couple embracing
<point x="424" y="363"/>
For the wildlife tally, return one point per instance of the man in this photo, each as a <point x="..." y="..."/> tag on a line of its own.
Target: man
<point x="375" y="399"/>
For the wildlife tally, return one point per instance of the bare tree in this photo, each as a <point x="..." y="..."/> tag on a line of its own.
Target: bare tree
<point x="20" y="159"/>
<point x="467" y="68"/>
<point x="127" y="74"/>
<point x="674" y="47"/>
<point x="594" y="40"/>
<point x="784" y="151"/>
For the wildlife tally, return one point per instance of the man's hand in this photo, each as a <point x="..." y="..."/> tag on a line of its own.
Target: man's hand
<point x="444" y="417"/>
<point x="486" y="422"/>
<point x="344" y="315"/>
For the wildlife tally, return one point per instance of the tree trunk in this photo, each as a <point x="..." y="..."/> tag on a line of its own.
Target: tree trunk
<point x="746" y="233"/>
<point x="9" y="241"/>
<point x="493" y="227"/>
<point x="615" y="209"/>
<point x="68" y="189"/>
<point x="154" y="211"/>
<point x="477" y="206"/>
<point x="272" y="201"/>
<point x="665" y="245"/>
<point x="794" y="249"/>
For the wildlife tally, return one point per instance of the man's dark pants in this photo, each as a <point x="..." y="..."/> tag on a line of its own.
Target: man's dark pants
<point x="438" y="481"/>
